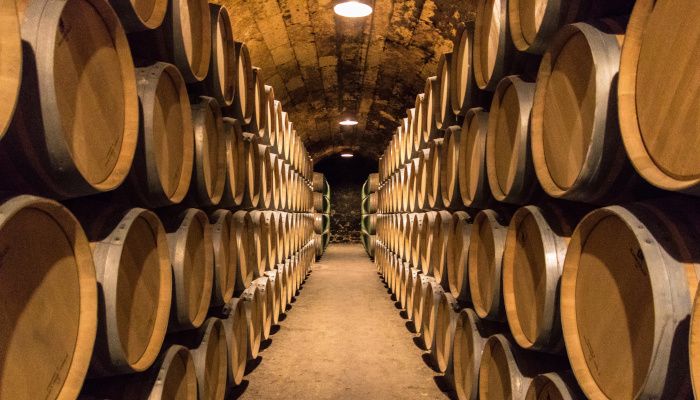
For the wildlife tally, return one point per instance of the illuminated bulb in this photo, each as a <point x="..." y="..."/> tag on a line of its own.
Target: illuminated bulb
<point x="352" y="9"/>
<point x="347" y="155"/>
<point x="348" y="122"/>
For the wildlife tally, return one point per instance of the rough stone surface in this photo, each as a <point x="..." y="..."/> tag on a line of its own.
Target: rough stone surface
<point x="345" y="177"/>
<point x="326" y="68"/>
<point x="342" y="339"/>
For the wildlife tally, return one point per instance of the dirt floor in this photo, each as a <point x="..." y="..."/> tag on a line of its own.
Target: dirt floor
<point x="343" y="338"/>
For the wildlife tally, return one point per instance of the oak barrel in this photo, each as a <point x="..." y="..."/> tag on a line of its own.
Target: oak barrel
<point x="234" y="188"/>
<point x="11" y="62"/>
<point x="254" y="315"/>
<point x="47" y="269"/>
<point x="445" y="324"/>
<point x="533" y="260"/>
<point x="243" y="100"/>
<point x="507" y="370"/>
<point x="576" y="146"/>
<point x="470" y="337"/>
<point x="658" y="121"/>
<point x="463" y="86"/>
<point x="449" y="168"/>
<point x="492" y="45"/>
<point x="209" y="170"/>
<point x="236" y="329"/>
<point x="69" y="138"/>
<point x="190" y="243"/>
<point x="473" y="178"/>
<point x="221" y="78"/>
<point x="486" y="245"/>
<point x="162" y="169"/>
<point x="225" y="256"/>
<point x="629" y="279"/>
<point x="508" y="154"/>
<point x="134" y="276"/>
<point x="458" y="256"/>
<point x="554" y="385"/>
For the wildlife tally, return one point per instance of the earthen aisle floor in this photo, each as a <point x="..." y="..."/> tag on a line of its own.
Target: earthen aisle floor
<point x="342" y="339"/>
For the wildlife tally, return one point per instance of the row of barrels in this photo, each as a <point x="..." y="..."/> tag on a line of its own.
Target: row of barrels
<point x="90" y="288"/>
<point x="368" y="215"/>
<point x="603" y="298"/>
<point x="113" y="100"/>
<point x="579" y="113"/>
<point x="210" y="362"/>
<point x="322" y="212"/>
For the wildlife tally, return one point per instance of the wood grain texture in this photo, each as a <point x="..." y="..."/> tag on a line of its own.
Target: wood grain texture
<point x="656" y="97"/>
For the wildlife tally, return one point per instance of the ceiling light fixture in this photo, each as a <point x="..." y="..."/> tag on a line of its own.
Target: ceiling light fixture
<point x="347" y="155"/>
<point x="348" y="122"/>
<point x="352" y="9"/>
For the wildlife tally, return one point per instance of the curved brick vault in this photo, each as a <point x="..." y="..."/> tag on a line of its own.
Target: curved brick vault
<point x="325" y="68"/>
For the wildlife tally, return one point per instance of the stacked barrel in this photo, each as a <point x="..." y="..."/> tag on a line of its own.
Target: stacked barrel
<point x="156" y="208"/>
<point x="532" y="221"/>
<point x="322" y="213"/>
<point x="368" y="224"/>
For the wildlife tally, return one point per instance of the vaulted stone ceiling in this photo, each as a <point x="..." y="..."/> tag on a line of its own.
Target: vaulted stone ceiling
<point x="326" y="68"/>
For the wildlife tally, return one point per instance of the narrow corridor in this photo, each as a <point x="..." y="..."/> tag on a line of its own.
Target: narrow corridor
<point x="342" y="339"/>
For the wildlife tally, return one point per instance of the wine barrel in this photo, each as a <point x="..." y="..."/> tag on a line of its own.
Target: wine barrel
<point x="264" y="175"/>
<point x="225" y="256"/>
<point x="437" y="147"/>
<point x="11" y="63"/>
<point x="419" y="141"/>
<point x="412" y="184"/>
<point x="493" y="46"/>
<point x="410" y="133"/>
<point x="445" y="324"/>
<point x="404" y="277"/>
<point x="162" y="169"/>
<point x="270" y="118"/>
<point x="533" y="258"/>
<point x="463" y="87"/>
<point x="506" y="370"/>
<point x="423" y="290"/>
<point x="190" y="243"/>
<point x="242" y="230"/>
<point x="576" y="146"/>
<point x="171" y="377"/>
<point x="69" y="138"/>
<point x="221" y="79"/>
<point x="373" y="182"/>
<point x="271" y="224"/>
<point x="318" y="203"/>
<point x="658" y="122"/>
<point x="282" y="279"/>
<point x="253" y="166"/>
<point x="431" y="295"/>
<point x="431" y="91"/>
<point x="441" y="235"/>
<point x="283" y="175"/>
<point x="424" y="178"/>
<point x="254" y="315"/>
<point x="371" y="203"/>
<point x="508" y="155"/>
<point x="625" y="332"/>
<point x="318" y="182"/>
<point x="553" y="385"/>
<point x="276" y="288"/>
<point x="267" y="304"/>
<point x="416" y="244"/>
<point x="458" y="256"/>
<point x="187" y="38"/>
<point x="258" y="123"/>
<point x="443" y="107"/>
<point x="236" y="330"/>
<point x="276" y="177"/>
<point x="470" y="337"/>
<point x="132" y="264"/>
<point x="449" y="168"/>
<point x="473" y="178"/>
<point x="413" y="287"/>
<point x="260" y="235"/>
<point x="243" y="101"/>
<point x="138" y="16"/>
<point x="279" y="128"/>
<point x="533" y="23"/>
<point x="47" y="268"/>
<point x="234" y="188"/>
<point x="210" y="357"/>
<point x="209" y="170"/>
<point x="486" y="245"/>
